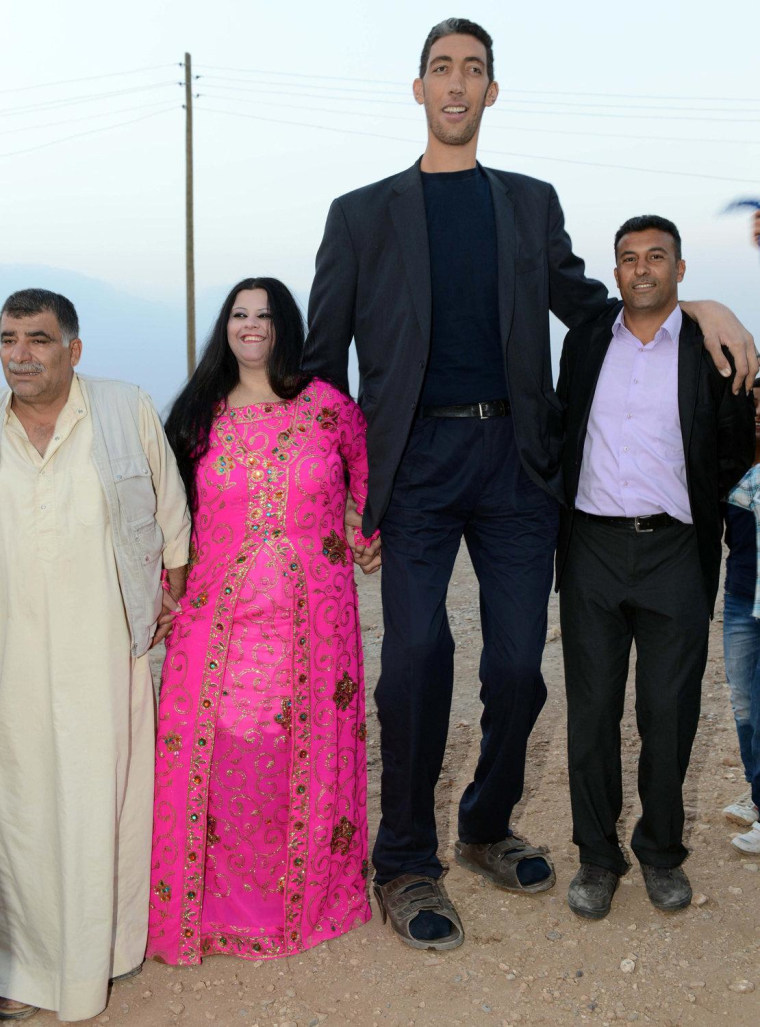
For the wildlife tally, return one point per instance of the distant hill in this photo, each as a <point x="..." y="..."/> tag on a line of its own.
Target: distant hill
<point x="124" y="335"/>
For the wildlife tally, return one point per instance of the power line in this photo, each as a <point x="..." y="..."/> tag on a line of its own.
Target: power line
<point x="94" y="131"/>
<point x="505" y="90"/>
<point x="504" y="153"/>
<point x="88" y="78"/>
<point x="298" y="74"/>
<point x="86" y="117"/>
<point x="502" y="128"/>
<point x="654" y="113"/>
<point x="253" y="85"/>
<point x="87" y="98"/>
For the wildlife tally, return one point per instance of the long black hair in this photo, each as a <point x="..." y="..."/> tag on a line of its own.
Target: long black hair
<point x="189" y="424"/>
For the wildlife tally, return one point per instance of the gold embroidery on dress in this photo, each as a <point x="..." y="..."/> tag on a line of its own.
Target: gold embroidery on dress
<point x="334" y="548"/>
<point x="342" y="834"/>
<point x="345" y="690"/>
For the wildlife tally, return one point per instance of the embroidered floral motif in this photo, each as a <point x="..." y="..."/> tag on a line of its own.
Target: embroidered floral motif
<point x="192" y="556"/>
<point x="200" y="600"/>
<point x="342" y="834"/>
<point x="163" y="890"/>
<point x="286" y="717"/>
<point x="345" y="690"/>
<point x="285" y="439"/>
<point x="223" y="464"/>
<point x="211" y="836"/>
<point x="361" y="733"/>
<point x="334" y="548"/>
<point x="328" y="418"/>
<point x="173" y="742"/>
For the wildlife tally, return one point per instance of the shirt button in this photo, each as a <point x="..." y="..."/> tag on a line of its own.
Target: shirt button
<point x="625" y="483"/>
<point x="635" y="381"/>
<point x="625" y="449"/>
<point x="628" y="417"/>
<point x="42" y="507"/>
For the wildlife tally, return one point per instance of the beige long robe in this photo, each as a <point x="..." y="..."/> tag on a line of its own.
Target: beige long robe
<point x="76" y="719"/>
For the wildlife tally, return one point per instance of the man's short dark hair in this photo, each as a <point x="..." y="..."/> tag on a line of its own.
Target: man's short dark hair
<point x="646" y="221"/>
<point x="28" y="302"/>
<point x="457" y="27"/>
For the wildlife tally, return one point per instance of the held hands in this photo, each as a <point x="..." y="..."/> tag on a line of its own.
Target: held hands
<point x="721" y="327"/>
<point x="174" y="588"/>
<point x="368" y="557"/>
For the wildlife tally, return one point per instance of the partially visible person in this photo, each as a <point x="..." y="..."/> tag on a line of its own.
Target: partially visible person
<point x="741" y="636"/>
<point x="655" y="437"/>
<point x="741" y="630"/>
<point x="260" y="837"/>
<point x="93" y="506"/>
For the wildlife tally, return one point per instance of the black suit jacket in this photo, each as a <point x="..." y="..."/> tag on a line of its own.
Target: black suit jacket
<point x="372" y="283"/>
<point x="717" y="428"/>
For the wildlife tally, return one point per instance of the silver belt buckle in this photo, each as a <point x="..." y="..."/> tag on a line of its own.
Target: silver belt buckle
<point x="638" y="530"/>
<point x="481" y="415"/>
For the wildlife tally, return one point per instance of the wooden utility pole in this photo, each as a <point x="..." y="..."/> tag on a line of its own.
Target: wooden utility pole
<point x="189" y="228"/>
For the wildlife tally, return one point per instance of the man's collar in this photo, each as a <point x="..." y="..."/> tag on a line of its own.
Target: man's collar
<point x="671" y="326"/>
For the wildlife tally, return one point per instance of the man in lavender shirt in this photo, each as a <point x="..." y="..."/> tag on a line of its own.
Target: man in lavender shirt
<point x="654" y="438"/>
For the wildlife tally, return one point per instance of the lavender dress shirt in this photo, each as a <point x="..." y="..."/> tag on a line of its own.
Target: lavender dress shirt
<point x="633" y="459"/>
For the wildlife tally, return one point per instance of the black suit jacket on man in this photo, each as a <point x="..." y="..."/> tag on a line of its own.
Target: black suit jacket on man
<point x="372" y="283"/>
<point x="717" y="429"/>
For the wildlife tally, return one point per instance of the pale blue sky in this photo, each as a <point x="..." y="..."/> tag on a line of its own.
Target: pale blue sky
<point x="111" y="204"/>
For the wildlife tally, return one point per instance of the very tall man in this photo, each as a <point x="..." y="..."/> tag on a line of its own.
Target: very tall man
<point x="445" y="275"/>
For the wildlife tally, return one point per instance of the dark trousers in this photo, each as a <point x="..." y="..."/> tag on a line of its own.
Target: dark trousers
<point x="617" y="587"/>
<point x="458" y="478"/>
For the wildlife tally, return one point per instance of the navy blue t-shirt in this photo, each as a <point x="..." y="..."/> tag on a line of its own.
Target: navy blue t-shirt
<point x="466" y="363"/>
<point x="741" y="562"/>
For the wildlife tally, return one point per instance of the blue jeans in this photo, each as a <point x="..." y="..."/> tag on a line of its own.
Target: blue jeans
<point x="741" y="648"/>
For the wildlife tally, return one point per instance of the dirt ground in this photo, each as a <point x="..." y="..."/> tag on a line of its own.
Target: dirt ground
<point x="527" y="959"/>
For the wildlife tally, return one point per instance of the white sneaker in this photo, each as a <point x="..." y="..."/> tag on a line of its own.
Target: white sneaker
<point x="742" y="810"/>
<point x="749" y="842"/>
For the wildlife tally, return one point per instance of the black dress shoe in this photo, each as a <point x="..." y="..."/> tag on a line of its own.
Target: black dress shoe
<point x="591" y="890"/>
<point x="668" y="888"/>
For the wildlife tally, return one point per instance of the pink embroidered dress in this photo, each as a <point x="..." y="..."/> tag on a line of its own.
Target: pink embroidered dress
<point x="260" y="832"/>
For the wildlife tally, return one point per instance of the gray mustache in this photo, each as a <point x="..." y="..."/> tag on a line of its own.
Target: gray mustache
<point x="24" y="368"/>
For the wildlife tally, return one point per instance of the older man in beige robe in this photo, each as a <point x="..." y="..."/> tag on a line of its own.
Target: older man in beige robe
<point x="92" y="507"/>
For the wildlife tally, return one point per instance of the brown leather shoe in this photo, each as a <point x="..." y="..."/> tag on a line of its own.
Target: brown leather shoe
<point x="400" y="902"/>
<point x="12" y="1010"/>
<point x="499" y="862"/>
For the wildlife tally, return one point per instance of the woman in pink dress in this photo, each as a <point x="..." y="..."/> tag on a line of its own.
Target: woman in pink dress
<point x="260" y="833"/>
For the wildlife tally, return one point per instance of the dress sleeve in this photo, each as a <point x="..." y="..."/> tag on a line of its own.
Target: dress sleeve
<point x="352" y="434"/>
<point x="171" y="502"/>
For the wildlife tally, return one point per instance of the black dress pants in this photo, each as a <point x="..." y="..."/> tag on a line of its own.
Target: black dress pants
<point x="619" y="586"/>
<point x="459" y="478"/>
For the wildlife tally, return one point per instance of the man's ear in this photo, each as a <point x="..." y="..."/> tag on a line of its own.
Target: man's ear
<point x="419" y="90"/>
<point x="680" y="270"/>
<point x="75" y="351"/>
<point x="491" y="93"/>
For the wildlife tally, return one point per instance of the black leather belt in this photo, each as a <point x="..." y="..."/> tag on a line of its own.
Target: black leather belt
<point x="639" y="524"/>
<point x="493" y="408"/>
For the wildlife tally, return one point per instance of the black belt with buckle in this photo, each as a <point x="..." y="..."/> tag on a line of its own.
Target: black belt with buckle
<point x="493" y="408"/>
<point x="650" y="522"/>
